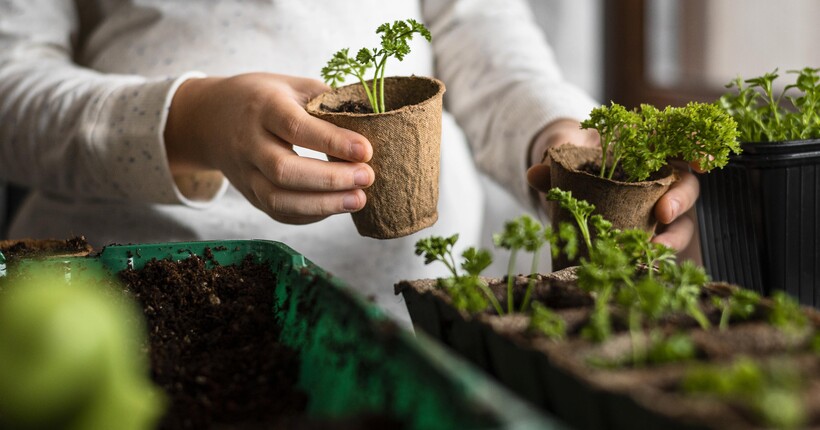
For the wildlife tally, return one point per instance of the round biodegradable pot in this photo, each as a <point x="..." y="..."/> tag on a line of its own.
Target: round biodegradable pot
<point x="628" y="205"/>
<point x="406" y="142"/>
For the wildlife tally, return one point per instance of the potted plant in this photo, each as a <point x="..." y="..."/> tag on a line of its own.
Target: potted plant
<point x="758" y="216"/>
<point x="401" y="117"/>
<point x="632" y="339"/>
<point x="630" y="172"/>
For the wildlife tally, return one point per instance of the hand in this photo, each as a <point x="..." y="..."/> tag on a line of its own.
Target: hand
<point x="675" y="212"/>
<point x="556" y="133"/>
<point x="246" y="126"/>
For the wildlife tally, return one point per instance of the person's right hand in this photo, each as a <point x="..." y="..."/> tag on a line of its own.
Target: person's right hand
<point x="246" y="126"/>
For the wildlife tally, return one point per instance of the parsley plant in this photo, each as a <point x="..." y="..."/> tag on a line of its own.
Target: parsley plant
<point x="394" y="40"/>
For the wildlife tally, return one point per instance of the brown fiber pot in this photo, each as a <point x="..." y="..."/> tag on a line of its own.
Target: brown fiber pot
<point x="406" y="143"/>
<point x="627" y="205"/>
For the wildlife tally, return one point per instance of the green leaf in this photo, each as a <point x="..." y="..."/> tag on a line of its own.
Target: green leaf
<point x="476" y="260"/>
<point x="545" y="321"/>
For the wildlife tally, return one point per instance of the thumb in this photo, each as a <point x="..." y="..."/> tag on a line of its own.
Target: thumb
<point x="538" y="177"/>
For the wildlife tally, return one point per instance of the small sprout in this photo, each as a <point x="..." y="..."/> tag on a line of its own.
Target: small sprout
<point x="469" y="292"/>
<point x="581" y="210"/>
<point x="686" y="281"/>
<point x="672" y="349"/>
<point x="524" y="233"/>
<point x="786" y="313"/>
<point x="394" y="43"/>
<point x="546" y="322"/>
<point x="437" y="248"/>
<point x="567" y="235"/>
<point x="740" y="304"/>
<point x="599" y="327"/>
<point x="771" y="393"/>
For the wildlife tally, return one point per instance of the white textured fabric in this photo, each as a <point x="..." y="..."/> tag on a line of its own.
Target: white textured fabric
<point x="85" y="87"/>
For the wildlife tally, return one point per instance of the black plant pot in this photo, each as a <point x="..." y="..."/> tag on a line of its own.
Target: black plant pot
<point x="758" y="219"/>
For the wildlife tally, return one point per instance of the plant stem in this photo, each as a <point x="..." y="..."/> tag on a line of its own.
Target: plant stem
<point x="724" y="315"/>
<point x="510" y="279"/>
<point x="489" y="293"/>
<point x="380" y="72"/>
<point x="696" y="313"/>
<point x="370" y="95"/>
<point x="533" y="271"/>
<point x="451" y="265"/>
<point x="638" y="352"/>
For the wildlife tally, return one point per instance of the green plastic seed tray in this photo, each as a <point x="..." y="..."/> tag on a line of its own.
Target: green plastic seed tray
<point x="353" y="358"/>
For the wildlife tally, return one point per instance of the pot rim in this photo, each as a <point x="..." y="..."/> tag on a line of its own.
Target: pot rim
<point x="672" y="176"/>
<point x="312" y="106"/>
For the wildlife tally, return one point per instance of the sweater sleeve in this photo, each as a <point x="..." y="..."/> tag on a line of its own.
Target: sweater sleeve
<point x="503" y="84"/>
<point x="72" y="131"/>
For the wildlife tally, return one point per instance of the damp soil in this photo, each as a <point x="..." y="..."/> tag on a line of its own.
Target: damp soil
<point x="349" y="106"/>
<point x="214" y="348"/>
<point x="653" y="386"/>
<point x="594" y="168"/>
<point x="29" y="248"/>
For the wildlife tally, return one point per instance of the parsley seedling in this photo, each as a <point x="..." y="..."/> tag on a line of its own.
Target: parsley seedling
<point x="394" y="43"/>
<point x="469" y="292"/>
<point x="763" y="116"/>
<point x="641" y="142"/>
<point x="521" y="233"/>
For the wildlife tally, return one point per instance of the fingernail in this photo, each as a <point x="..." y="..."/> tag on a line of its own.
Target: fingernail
<point x="351" y="202"/>
<point x="361" y="178"/>
<point x="357" y="152"/>
<point x="674" y="205"/>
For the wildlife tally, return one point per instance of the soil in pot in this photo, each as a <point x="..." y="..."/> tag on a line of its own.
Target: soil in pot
<point x="584" y="379"/>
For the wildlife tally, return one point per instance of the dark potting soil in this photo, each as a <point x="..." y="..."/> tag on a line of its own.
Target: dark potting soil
<point x="214" y="348"/>
<point x="29" y="248"/>
<point x="349" y="106"/>
<point x="594" y="168"/>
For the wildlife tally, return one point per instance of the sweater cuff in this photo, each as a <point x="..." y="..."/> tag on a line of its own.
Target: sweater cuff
<point x="129" y="143"/>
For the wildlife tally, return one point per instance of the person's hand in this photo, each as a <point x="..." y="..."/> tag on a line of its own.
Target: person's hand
<point x="675" y="212"/>
<point x="246" y="126"/>
<point x="556" y="133"/>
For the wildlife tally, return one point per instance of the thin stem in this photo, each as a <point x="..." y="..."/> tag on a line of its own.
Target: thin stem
<point x="493" y="300"/>
<point x="510" y="268"/>
<point x="584" y="227"/>
<point x="382" y="67"/>
<point x="533" y="271"/>
<point x="638" y="352"/>
<point x="724" y="315"/>
<point x="696" y="313"/>
<point x="370" y="96"/>
<point x="452" y="265"/>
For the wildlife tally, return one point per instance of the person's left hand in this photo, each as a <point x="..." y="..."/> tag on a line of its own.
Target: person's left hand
<point x="674" y="211"/>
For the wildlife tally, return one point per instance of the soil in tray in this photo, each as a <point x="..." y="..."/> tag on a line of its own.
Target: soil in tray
<point x="27" y="248"/>
<point x="214" y="348"/>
